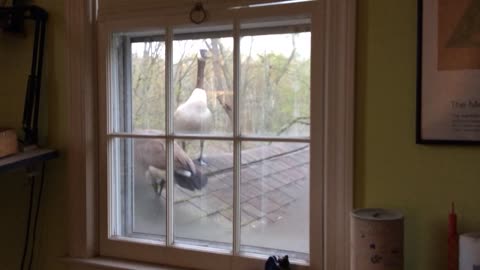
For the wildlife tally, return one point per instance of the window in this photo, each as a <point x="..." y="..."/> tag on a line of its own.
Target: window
<point x="253" y="175"/>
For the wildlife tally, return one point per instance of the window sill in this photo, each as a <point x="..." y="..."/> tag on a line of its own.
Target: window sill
<point x="110" y="263"/>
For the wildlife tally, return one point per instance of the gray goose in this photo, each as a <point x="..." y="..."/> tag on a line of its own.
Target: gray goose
<point x="151" y="154"/>
<point x="193" y="116"/>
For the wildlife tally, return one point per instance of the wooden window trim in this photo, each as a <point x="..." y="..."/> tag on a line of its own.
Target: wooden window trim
<point x="81" y="22"/>
<point x="82" y="155"/>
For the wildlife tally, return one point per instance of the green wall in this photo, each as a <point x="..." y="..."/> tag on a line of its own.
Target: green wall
<point x="390" y="169"/>
<point x="15" y="59"/>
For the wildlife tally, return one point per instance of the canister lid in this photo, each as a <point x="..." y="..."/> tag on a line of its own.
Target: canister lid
<point x="379" y="214"/>
<point x="472" y="235"/>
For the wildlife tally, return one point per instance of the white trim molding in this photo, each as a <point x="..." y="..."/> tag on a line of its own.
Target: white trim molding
<point x="339" y="131"/>
<point x="80" y="65"/>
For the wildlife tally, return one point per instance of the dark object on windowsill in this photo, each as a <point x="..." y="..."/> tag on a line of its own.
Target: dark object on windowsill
<point x="12" y="20"/>
<point x="277" y="263"/>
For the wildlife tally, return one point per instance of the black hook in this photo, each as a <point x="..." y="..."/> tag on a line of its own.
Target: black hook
<point x="198" y="14"/>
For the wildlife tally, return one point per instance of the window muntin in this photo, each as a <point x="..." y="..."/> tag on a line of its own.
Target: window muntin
<point x="232" y="139"/>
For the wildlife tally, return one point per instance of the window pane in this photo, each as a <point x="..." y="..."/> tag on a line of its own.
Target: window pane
<point x="203" y="200"/>
<point x="138" y="175"/>
<point x="202" y="80"/>
<point x="275" y="198"/>
<point x="275" y="84"/>
<point x="274" y="101"/>
<point x="139" y="95"/>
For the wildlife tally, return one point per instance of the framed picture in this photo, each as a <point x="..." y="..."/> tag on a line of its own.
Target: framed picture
<point x="448" y="72"/>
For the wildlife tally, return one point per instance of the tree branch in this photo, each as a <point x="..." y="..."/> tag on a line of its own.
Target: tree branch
<point x="304" y="120"/>
<point x="287" y="64"/>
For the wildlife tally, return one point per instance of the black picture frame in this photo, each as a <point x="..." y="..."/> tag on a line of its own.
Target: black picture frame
<point x="420" y="121"/>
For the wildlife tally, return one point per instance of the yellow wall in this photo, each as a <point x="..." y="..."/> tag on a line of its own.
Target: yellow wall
<point x="390" y="169"/>
<point x="15" y="58"/>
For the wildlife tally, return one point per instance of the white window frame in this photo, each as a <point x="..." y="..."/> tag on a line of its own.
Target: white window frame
<point x="331" y="143"/>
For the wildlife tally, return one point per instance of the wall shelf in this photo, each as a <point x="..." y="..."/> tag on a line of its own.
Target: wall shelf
<point x="24" y="159"/>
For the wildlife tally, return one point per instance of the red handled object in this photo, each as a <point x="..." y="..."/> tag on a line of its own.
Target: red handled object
<point x="452" y="240"/>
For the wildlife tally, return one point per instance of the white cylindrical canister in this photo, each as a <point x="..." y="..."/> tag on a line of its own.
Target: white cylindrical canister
<point x="469" y="251"/>
<point x="376" y="239"/>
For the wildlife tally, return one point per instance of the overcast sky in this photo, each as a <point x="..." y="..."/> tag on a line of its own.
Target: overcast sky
<point x="280" y="44"/>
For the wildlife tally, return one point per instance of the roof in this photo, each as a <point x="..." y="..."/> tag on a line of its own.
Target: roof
<point x="272" y="177"/>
